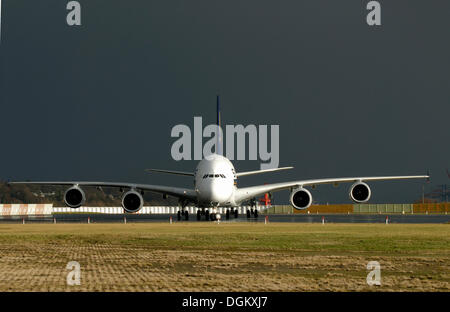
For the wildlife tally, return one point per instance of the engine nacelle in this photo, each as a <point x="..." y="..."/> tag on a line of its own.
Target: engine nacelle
<point x="74" y="197"/>
<point x="132" y="201"/>
<point x="360" y="192"/>
<point x="301" y="198"/>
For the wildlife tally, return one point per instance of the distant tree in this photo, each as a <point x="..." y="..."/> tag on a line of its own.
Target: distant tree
<point x="426" y="200"/>
<point x="30" y="194"/>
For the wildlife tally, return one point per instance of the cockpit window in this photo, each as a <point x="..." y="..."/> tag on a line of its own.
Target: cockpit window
<point x="217" y="175"/>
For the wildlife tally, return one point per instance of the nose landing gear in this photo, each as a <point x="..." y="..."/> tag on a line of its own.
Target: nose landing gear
<point x="212" y="214"/>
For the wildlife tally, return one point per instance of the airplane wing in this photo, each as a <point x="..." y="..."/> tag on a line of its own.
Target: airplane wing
<point x="169" y="190"/>
<point x="246" y="173"/>
<point x="246" y="193"/>
<point x="171" y="172"/>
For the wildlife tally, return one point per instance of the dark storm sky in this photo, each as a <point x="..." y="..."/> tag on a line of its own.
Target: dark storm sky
<point x="98" y="102"/>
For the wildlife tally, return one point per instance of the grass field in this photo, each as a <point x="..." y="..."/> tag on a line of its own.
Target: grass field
<point x="225" y="257"/>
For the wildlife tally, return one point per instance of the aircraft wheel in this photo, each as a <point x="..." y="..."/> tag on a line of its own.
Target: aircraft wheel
<point x="236" y="213"/>
<point x="248" y="213"/>
<point x="199" y="215"/>
<point x="256" y="213"/>
<point x="186" y="215"/>
<point x="227" y="216"/>
<point x="179" y="215"/>
<point x="207" y="215"/>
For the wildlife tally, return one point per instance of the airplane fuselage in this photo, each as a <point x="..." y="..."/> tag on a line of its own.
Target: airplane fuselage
<point x="214" y="182"/>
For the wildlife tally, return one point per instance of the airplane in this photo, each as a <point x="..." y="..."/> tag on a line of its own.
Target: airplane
<point x="215" y="186"/>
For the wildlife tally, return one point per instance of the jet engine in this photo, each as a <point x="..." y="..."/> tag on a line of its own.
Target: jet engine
<point x="132" y="201"/>
<point x="360" y="192"/>
<point x="301" y="198"/>
<point x="74" y="197"/>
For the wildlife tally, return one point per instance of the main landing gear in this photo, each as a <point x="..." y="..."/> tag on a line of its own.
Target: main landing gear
<point x="233" y="212"/>
<point x="252" y="212"/>
<point x="183" y="213"/>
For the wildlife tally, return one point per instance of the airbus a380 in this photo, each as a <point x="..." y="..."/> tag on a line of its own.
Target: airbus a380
<point x="215" y="186"/>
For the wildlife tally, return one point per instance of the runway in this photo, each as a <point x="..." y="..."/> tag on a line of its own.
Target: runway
<point x="293" y="218"/>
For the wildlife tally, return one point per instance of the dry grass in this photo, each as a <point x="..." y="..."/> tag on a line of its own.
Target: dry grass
<point x="225" y="257"/>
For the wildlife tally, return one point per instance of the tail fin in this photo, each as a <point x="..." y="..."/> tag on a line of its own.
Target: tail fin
<point x="219" y="137"/>
<point x="218" y="110"/>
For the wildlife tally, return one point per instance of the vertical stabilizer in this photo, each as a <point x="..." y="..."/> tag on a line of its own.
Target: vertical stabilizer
<point x="219" y="136"/>
<point x="218" y="110"/>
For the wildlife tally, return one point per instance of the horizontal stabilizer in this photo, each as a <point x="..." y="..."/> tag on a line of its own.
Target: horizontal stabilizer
<point x="241" y="174"/>
<point x="171" y="172"/>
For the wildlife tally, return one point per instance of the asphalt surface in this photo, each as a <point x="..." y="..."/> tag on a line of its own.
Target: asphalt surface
<point x="300" y="218"/>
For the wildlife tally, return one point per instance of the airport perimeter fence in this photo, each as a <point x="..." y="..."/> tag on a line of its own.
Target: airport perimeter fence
<point x="438" y="208"/>
<point x="146" y="210"/>
<point x="43" y="210"/>
<point x="26" y="209"/>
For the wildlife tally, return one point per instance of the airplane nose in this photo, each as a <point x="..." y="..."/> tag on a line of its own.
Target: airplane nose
<point x="215" y="192"/>
<point x="220" y="192"/>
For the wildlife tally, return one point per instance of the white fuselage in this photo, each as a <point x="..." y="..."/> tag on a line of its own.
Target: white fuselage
<point x="214" y="182"/>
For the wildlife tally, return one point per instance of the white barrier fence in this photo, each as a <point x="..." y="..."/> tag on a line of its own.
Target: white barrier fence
<point x="25" y="209"/>
<point x="144" y="210"/>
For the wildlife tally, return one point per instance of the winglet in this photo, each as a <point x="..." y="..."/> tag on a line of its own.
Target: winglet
<point x="429" y="176"/>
